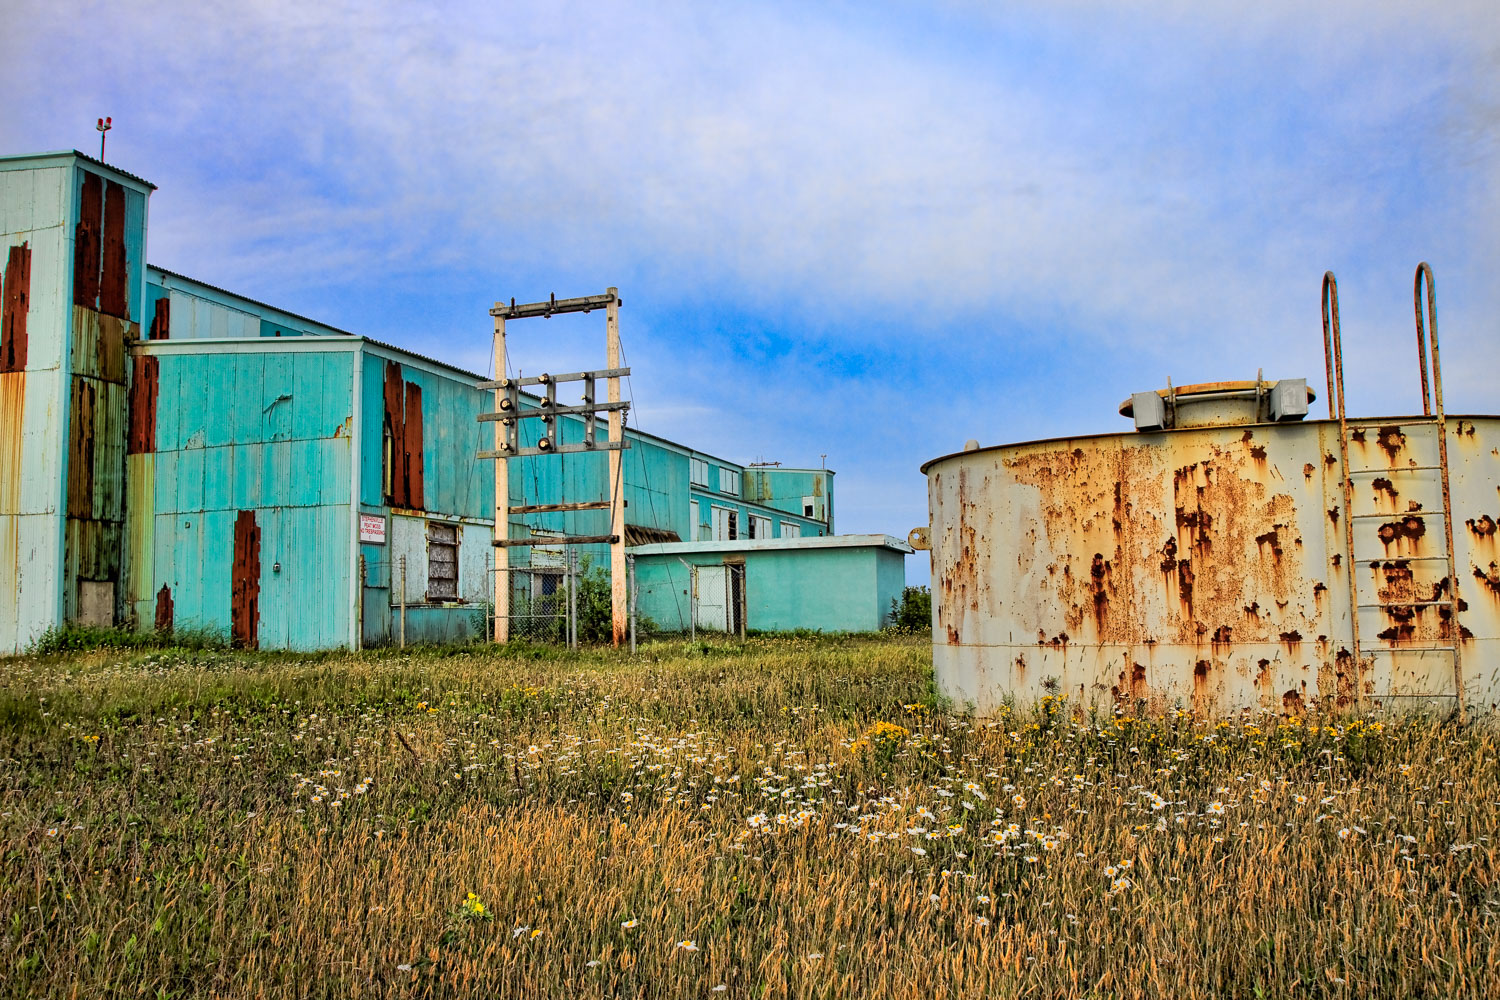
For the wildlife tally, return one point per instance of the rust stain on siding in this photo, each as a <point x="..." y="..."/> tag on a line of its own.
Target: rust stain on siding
<point x="143" y="393"/>
<point x="164" y="609"/>
<point x="15" y="304"/>
<point x="114" y="281"/>
<point x="86" y="243"/>
<point x="161" y="320"/>
<point x="12" y="406"/>
<point x="244" y="601"/>
<point x="403" y="440"/>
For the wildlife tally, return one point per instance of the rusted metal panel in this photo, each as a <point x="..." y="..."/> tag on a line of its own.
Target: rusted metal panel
<point x="98" y="348"/>
<point x="413" y="446"/>
<point x="1206" y="567"/>
<point x="245" y="583"/>
<point x="15" y="305"/>
<point x="402" y="432"/>
<point x="144" y="388"/>
<point x="161" y="319"/>
<point x="164" y="609"/>
<point x="87" y="246"/>
<point x="394" y="434"/>
<point x="114" y="277"/>
<point x="81" y="442"/>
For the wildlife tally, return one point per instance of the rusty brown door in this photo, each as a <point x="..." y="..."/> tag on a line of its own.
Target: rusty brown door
<point x="244" y="605"/>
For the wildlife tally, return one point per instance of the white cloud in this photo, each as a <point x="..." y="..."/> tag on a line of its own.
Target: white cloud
<point x="1152" y="188"/>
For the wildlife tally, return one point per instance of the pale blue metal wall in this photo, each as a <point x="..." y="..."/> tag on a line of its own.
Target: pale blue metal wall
<point x="845" y="586"/>
<point x="62" y="412"/>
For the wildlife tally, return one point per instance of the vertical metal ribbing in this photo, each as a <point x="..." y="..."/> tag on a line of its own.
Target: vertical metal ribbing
<point x="1455" y="635"/>
<point x="1333" y="339"/>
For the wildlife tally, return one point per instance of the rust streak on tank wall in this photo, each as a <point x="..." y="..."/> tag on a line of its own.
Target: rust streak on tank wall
<point x="143" y="393"/>
<point x="244" y="602"/>
<point x="1391" y="440"/>
<point x="114" y="279"/>
<point x="1386" y="494"/>
<point x="15" y="305"/>
<point x="86" y="236"/>
<point x="1406" y="534"/>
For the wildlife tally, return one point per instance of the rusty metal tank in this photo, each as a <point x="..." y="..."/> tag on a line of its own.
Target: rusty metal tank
<point x="1207" y="563"/>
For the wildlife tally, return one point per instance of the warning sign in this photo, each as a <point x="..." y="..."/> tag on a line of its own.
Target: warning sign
<point x="372" y="528"/>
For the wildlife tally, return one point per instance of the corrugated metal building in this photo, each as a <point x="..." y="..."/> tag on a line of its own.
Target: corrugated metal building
<point x="173" y="454"/>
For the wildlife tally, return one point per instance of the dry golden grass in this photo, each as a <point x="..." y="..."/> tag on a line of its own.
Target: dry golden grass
<point x="790" y="818"/>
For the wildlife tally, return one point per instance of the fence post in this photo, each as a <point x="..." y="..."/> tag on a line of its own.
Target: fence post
<point x="631" y="561"/>
<point x="403" y="602"/>
<point x="572" y="629"/>
<point x="359" y="607"/>
<point x="744" y="601"/>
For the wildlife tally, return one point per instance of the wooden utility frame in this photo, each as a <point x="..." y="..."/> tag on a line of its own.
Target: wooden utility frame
<point x="507" y="418"/>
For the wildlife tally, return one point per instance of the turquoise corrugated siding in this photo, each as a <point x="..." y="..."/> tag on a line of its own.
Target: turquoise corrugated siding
<point x="267" y="432"/>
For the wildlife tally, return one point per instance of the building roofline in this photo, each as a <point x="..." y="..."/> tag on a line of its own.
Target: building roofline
<point x="774" y="545"/>
<point x="16" y="159"/>
<point x="384" y="345"/>
<point x="243" y="298"/>
<point x="784" y="468"/>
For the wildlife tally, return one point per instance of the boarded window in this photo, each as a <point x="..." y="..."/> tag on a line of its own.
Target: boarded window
<point x="729" y="481"/>
<point x="442" y="561"/>
<point x="699" y="471"/>
<point x="760" y="527"/>
<point x="789" y="530"/>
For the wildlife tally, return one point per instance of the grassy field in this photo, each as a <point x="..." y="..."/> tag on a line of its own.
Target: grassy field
<point x="794" y="817"/>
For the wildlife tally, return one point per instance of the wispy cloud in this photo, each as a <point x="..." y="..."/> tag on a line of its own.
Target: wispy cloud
<point x="815" y="212"/>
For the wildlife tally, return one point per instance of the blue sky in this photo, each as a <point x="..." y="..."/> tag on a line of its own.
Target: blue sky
<point x="867" y="231"/>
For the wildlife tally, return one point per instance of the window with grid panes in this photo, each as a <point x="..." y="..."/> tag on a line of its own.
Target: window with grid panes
<point x="442" y="561"/>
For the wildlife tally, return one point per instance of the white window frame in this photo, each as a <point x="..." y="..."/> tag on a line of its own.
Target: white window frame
<point x="723" y="514"/>
<point x="790" y="530"/>
<point x="760" y="527"/>
<point x="698" y="472"/>
<point x="730" y="481"/>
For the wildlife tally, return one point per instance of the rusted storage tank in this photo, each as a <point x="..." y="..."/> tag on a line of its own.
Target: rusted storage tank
<point x="1204" y="560"/>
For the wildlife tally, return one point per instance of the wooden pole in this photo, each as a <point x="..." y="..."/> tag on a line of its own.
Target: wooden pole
<point x="502" y="501"/>
<point x="616" y="478"/>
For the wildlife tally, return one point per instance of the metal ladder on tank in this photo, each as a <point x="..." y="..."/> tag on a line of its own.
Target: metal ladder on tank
<point x="1449" y="641"/>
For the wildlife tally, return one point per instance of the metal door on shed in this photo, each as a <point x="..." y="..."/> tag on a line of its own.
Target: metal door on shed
<point x="711" y="599"/>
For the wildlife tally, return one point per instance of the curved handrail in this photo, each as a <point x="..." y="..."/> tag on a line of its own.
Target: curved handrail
<point x="1333" y="354"/>
<point x="1424" y="269"/>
